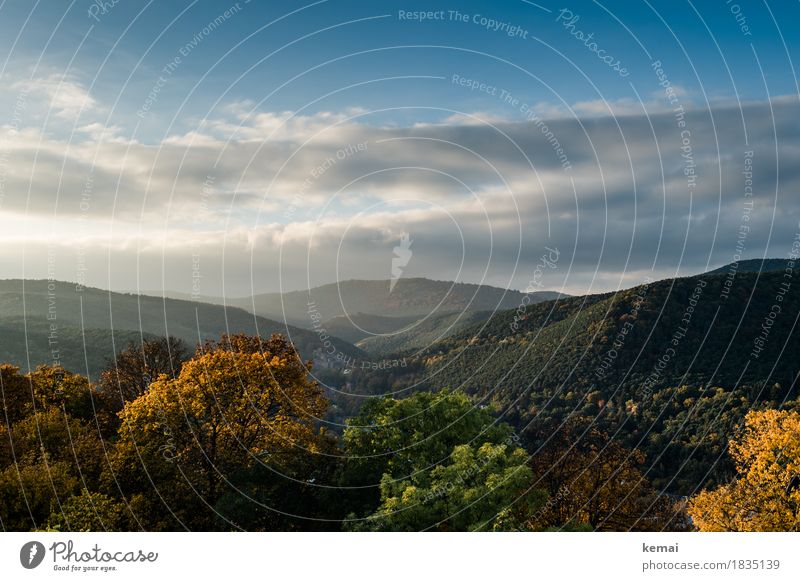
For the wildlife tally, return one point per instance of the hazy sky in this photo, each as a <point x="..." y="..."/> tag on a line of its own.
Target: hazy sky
<point x="261" y="146"/>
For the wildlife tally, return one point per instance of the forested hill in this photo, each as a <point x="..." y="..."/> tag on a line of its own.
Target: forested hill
<point x="410" y="297"/>
<point x="753" y="265"/>
<point x="630" y="343"/>
<point x="671" y="367"/>
<point x="42" y="320"/>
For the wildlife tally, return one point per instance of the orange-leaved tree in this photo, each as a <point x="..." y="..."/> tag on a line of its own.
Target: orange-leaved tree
<point x="238" y="403"/>
<point x="765" y="495"/>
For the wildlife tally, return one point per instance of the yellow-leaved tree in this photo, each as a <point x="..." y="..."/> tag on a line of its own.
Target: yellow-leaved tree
<point x="765" y="495"/>
<point x="236" y="404"/>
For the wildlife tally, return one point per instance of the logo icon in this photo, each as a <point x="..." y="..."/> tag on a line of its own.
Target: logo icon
<point x="31" y="554"/>
<point x="402" y="255"/>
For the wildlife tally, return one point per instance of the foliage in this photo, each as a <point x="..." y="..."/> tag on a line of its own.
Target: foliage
<point x="89" y="511"/>
<point x="434" y="461"/>
<point x="478" y="488"/>
<point x="617" y="358"/>
<point x="765" y="495"/>
<point x="139" y="364"/>
<point x="231" y="408"/>
<point x="593" y="480"/>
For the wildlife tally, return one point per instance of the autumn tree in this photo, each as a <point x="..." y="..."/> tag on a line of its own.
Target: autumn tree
<point x="139" y="364"/>
<point x="236" y="404"/>
<point x="765" y="495"/>
<point x="45" y="458"/>
<point x="594" y="480"/>
<point x="15" y="393"/>
<point x="47" y="386"/>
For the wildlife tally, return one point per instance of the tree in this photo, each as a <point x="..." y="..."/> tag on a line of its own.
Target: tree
<point x="48" y="386"/>
<point x="594" y="480"/>
<point x="43" y="460"/>
<point x="28" y="493"/>
<point x="138" y="365"/>
<point x="478" y="488"/>
<point x="762" y="497"/>
<point x="236" y="404"/>
<point x="398" y="435"/>
<point x="433" y="461"/>
<point x="88" y="511"/>
<point x="16" y="394"/>
<point x="51" y="435"/>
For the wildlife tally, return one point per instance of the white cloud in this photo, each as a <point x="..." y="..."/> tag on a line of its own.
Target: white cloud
<point x="57" y="95"/>
<point x="325" y="195"/>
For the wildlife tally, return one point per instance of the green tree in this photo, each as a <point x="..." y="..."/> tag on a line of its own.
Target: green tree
<point x="29" y="493"/>
<point x="435" y="461"/>
<point x="88" y="511"/>
<point x="485" y="488"/>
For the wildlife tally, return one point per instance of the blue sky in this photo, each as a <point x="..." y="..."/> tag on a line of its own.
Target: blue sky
<point x="132" y="41"/>
<point x="142" y="134"/>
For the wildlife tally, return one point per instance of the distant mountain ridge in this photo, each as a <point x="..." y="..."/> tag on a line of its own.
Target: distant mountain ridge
<point x="48" y="321"/>
<point x="410" y="297"/>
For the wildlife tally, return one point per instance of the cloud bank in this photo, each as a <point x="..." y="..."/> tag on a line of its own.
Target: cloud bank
<point x="255" y="200"/>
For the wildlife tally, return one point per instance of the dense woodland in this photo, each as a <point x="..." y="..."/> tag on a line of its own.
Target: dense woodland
<point x="664" y="368"/>
<point x="564" y="415"/>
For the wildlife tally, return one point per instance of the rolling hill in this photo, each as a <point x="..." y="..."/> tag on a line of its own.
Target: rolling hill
<point x="38" y="317"/>
<point x="676" y="330"/>
<point x="421" y="334"/>
<point x="669" y="368"/>
<point x="361" y="326"/>
<point x="411" y="297"/>
<point x="752" y="265"/>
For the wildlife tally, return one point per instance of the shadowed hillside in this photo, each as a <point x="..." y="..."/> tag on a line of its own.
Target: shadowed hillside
<point x="59" y="317"/>
<point x="411" y="297"/>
